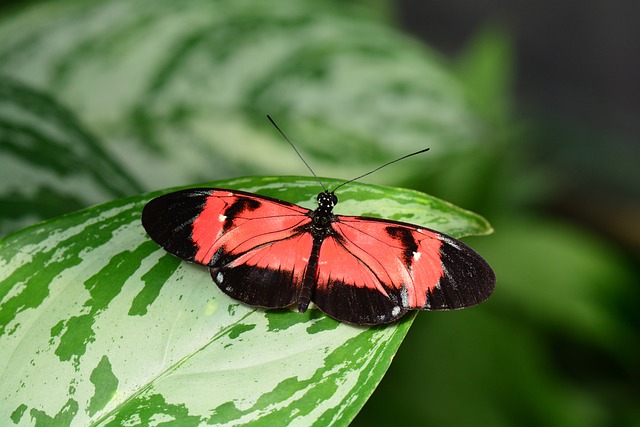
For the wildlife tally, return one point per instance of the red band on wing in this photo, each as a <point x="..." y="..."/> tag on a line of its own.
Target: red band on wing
<point x="207" y="227"/>
<point x="369" y="256"/>
<point x="426" y="268"/>
<point x="240" y="223"/>
<point x="336" y="263"/>
<point x="291" y="254"/>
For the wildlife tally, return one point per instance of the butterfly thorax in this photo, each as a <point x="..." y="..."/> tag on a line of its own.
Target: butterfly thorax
<point x="323" y="215"/>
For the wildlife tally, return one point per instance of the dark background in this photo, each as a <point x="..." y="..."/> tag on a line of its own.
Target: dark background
<point x="577" y="78"/>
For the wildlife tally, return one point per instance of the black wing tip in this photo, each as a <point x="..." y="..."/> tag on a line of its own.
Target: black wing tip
<point x="167" y="220"/>
<point x="468" y="279"/>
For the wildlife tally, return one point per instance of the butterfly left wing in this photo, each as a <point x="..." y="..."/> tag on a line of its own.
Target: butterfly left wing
<point x="373" y="271"/>
<point x="254" y="245"/>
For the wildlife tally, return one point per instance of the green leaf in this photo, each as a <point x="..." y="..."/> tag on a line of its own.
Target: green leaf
<point x="176" y="87"/>
<point x="593" y="277"/>
<point x="99" y="326"/>
<point x="49" y="163"/>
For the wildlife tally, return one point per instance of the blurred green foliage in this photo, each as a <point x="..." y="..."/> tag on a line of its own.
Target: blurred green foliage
<point x="556" y="345"/>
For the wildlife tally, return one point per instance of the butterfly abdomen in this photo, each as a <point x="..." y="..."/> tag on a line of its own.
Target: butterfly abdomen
<point x="310" y="279"/>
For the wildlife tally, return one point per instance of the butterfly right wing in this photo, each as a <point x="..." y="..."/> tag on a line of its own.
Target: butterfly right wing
<point x="373" y="271"/>
<point x="255" y="246"/>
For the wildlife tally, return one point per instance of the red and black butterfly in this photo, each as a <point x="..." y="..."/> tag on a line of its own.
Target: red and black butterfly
<point x="270" y="253"/>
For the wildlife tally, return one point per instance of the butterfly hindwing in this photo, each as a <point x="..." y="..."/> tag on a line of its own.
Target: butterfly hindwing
<point x="253" y="245"/>
<point x="269" y="275"/>
<point x="373" y="271"/>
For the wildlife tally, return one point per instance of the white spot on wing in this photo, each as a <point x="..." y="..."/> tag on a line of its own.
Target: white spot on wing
<point x="404" y="296"/>
<point x="219" y="277"/>
<point x="395" y="311"/>
<point x="416" y="256"/>
<point x="222" y="218"/>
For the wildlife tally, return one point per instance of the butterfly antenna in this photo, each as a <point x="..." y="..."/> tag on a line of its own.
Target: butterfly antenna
<point x="380" y="167"/>
<point x="297" y="152"/>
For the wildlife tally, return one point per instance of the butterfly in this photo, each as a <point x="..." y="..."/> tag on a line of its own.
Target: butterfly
<point x="271" y="253"/>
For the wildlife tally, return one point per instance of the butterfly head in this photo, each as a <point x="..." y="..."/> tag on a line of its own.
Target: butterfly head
<point x="326" y="201"/>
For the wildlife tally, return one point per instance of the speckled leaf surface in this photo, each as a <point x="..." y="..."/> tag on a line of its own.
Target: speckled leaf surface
<point x="99" y="326"/>
<point x="50" y="164"/>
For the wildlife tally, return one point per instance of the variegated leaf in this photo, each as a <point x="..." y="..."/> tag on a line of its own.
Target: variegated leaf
<point x="49" y="164"/>
<point x="99" y="326"/>
<point x="172" y="85"/>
